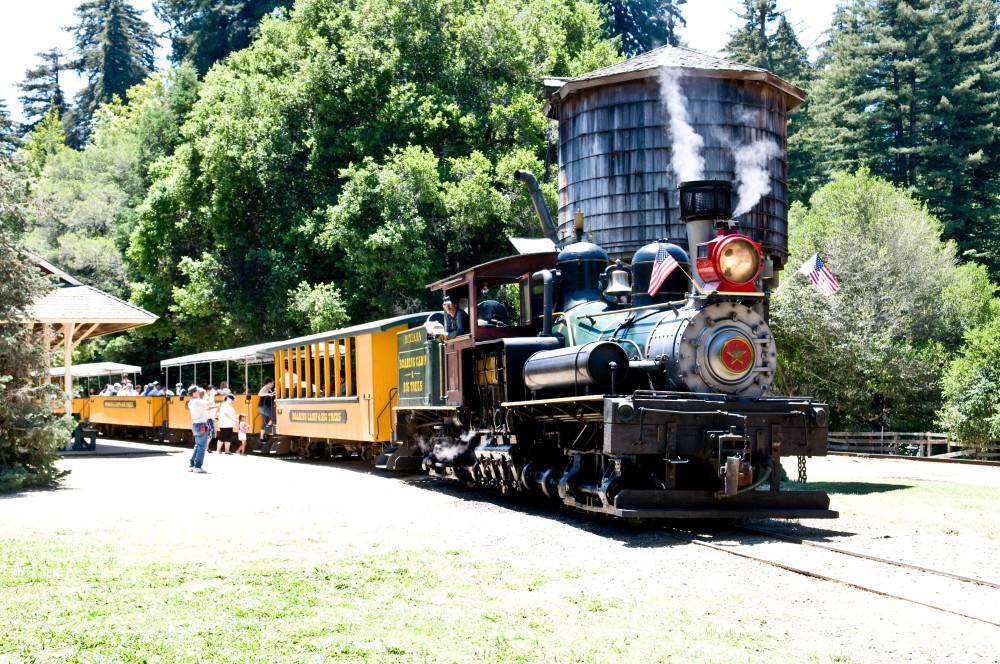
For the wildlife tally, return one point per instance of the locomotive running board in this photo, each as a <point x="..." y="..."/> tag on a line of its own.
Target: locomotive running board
<point x="662" y="504"/>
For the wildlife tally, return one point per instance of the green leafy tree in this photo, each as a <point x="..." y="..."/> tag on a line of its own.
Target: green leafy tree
<point x="368" y="145"/>
<point x="971" y="388"/>
<point x="29" y="432"/>
<point x="83" y="205"/>
<point x="204" y="32"/>
<point x="321" y="305"/>
<point x="46" y="139"/>
<point x="42" y="89"/>
<point x="875" y="350"/>
<point x="911" y="91"/>
<point x="115" y="51"/>
<point x="645" y="24"/>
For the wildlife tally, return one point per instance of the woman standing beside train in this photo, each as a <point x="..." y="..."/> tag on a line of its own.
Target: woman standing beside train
<point x="227" y="422"/>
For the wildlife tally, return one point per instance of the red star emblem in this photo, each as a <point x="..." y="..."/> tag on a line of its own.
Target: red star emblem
<point x="737" y="355"/>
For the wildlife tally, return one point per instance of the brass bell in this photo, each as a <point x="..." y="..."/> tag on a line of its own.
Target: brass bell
<point x="619" y="285"/>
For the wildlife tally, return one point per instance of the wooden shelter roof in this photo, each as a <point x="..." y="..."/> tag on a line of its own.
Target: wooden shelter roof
<point x="91" y="312"/>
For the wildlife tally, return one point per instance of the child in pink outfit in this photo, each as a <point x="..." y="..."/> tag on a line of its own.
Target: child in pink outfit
<point x="244" y="429"/>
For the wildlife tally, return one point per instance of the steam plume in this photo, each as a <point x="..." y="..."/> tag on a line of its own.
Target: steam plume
<point x="686" y="158"/>
<point x="447" y="450"/>
<point x="752" y="177"/>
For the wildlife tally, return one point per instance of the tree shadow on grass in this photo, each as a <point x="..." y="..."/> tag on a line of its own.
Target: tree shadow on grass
<point x="849" y="488"/>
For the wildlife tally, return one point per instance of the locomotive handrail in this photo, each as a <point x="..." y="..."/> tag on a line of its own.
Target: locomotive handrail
<point x="611" y="312"/>
<point x="393" y="392"/>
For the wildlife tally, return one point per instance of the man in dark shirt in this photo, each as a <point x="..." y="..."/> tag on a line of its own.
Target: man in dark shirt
<point x="456" y="321"/>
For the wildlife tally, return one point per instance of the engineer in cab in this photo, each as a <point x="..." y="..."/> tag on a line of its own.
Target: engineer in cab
<point x="456" y="321"/>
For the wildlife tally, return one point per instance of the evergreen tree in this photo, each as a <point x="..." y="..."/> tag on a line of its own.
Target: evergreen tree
<point x="750" y="44"/>
<point x="41" y="88"/>
<point x="779" y="51"/>
<point x="29" y="432"/>
<point x="206" y="31"/>
<point x="8" y="131"/>
<point x="911" y="89"/>
<point x="645" y="24"/>
<point x="960" y="146"/>
<point x="757" y="42"/>
<point x="787" y="57"/>
<point x="115" y="50"/>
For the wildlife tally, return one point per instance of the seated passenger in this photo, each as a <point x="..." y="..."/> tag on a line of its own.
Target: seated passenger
<point x="343" y="386"/>
<point x="456" y="321"/>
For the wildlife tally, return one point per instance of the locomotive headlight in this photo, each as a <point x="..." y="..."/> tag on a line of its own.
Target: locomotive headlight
<point x="730" y="261"/>
<point x="739" y="261"/>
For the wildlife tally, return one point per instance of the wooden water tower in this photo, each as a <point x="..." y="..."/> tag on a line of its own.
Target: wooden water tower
<point x="615" y="146"/>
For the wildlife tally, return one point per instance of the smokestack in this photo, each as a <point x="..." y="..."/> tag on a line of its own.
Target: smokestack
<point x="703" y="203"/>
<point x="529" y="180"/>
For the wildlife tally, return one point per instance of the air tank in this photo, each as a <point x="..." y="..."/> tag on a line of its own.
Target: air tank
<point x="616" y="146"/>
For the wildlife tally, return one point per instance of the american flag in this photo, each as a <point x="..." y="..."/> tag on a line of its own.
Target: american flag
<point x="662" y="267"/>
<point x="819" y="274"/>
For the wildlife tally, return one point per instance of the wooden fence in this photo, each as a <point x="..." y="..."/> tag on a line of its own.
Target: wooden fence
<point x="931" y="445"/>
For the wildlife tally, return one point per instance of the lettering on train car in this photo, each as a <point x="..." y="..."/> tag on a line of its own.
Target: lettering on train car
<point x="412" y="387"/>
<point x="414" y="337"/>
<point x="413" y="361"/>
<point x="120" y="403"/>
<point x="411" y="365"/>
<point x="318" y="416"/>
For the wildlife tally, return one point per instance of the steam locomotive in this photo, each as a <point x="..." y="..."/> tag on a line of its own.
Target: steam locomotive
<point x="579" y="382"/>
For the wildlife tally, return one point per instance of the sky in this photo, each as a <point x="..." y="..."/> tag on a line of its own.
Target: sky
<point x="30" y="27"/>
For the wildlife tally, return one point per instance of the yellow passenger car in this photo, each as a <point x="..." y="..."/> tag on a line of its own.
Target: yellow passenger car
<point x="142" y="412"/>
<point x="244" y="370"/>
<point x="336" y="390"/>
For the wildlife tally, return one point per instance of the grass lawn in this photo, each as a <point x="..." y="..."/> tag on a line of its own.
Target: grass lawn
<point x="156" y="565"/>
<point x="67" y="600"/>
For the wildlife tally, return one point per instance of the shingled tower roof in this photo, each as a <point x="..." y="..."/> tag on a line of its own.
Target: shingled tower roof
<point x="648" y="64"/>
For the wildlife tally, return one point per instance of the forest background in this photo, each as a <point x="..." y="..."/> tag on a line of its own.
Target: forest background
<point x="300" y="166"/>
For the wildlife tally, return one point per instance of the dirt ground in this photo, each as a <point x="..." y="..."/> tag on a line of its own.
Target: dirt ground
<point x="255" y="506"/>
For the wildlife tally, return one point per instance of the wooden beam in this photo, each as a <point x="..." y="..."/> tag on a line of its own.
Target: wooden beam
<point x="326" y="369"/>
<point x="348" y="369"/>
<point x="307" y="359"/>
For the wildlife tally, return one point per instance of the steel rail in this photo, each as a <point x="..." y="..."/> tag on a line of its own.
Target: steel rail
<point x="815" y="575"/>
<point x="904" y="457"/>
<point x="887" y="561"/>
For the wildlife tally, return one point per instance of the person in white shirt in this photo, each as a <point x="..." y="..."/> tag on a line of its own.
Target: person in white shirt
<point x="228" y="420"/>
<point x="199" y="408"/>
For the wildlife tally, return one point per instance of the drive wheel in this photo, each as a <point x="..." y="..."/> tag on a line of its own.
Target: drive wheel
<point x="370" y="453"/>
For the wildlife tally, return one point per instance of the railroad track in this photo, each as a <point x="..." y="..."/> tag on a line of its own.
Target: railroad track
<point x="901" y="457"/>
<point x="973" y="598"/>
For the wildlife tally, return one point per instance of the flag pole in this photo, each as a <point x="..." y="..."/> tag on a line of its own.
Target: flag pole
<point x="780" y="286"/>
<point x="692" y="280"/>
